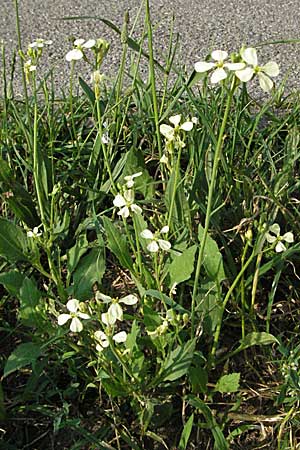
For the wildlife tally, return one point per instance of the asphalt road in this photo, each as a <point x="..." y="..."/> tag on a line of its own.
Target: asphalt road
<point x="204" y="25"/>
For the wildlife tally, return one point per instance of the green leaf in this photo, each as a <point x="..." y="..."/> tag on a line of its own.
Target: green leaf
<point x="213" y="261"/>
<point x="30" y="299"/>
<point x="20" y="202"/>
<point x="178" y="361"/>
<point x="117" y="244"/>
<point x="220" y="441"/>
<point x="182" y="266"/>
<point x="90" y="270"/>
<point x="257" y="338"/>
<point x="209" y="306"/>
<point x="198" y="378"/>
<point x="186" y="432"/>
<point x="76" y="252"/>
<point x="152" y="319"/>
<point x="13" y="242"/>
<point x="12" y="281"/>
<point x="181" y="214"/>
<point x="228" y="383"/>
<point x="88" y="91"/>
<point x="22" y="356"/>
<point x="167" y="300"/>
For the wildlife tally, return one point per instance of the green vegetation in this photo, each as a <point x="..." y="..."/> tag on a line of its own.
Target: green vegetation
<point x="149" y="254"/>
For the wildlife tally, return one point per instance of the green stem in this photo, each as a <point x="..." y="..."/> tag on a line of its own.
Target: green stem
<point x="152" y="79"/>
<point x="177" y="168"/>
<point x="211" y="190"/>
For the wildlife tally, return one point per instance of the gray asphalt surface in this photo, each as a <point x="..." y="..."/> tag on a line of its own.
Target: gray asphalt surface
<point x="204" y="25"/>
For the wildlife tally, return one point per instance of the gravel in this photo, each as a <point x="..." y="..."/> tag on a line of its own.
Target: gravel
<point x="203" y="25"/>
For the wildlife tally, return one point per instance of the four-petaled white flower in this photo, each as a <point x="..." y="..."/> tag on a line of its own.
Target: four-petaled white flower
<point x="264" y="73"/>
<point x="170" y="132"/>
<point x="34" y="233"/>
<point x="103" y="340"/>
<point x="39" y="43"/>
<point x="115" y="311"/>
<point x="156" y="242"/>
<point x="126" y="203"/>
<point x="273" y="236"/>
<point x="130" y="179"/>
<point x="76" y="325"/>
<point x="219" y="73"/>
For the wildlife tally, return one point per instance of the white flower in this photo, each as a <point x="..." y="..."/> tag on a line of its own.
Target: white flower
<point x="102" y="338"/>
<point x="89" y="44"/>
<point x="156" y="242"/>
<point x="105" y="139"/>
<point x="219" y="73"/>
<point x="270" y="69"/>
<point x="74" y="55"/>
<point x="39" y="43"/>
<point x="130" y="179"/>
<point x="34" y="233"/>
<point x="76" y="325"/>
<point x="170" y="132"/>
<point x="125" y="202"/>
<point x="29" y="67"/>
<point x="273" y="236"/>
<point x="115" y="311"/>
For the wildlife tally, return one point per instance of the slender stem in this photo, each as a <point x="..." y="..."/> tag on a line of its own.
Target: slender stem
<point x="177" y="168"/>
<point x="211" y="189"/>
<point x="20" y="50"/>
<point x="152" y="79"/>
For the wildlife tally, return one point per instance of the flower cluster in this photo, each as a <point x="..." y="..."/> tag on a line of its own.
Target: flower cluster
<point x="125" y="200"/>
<point x="172" y="134"/>
<point x="34" y="233"/>
<point x="244" y="70"/>
<point x="30" y="59"/>
<point x="99" y="46"/>
<point x="73" y="306"/>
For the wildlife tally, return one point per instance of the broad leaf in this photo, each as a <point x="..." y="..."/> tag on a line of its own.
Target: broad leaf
<point x="178" y="361"/>
<point x="117" y="244"/>
<point x="22" y="356"/>
<point x="182" y="266"/>
<point x="89" y="270"/>
<point x="257" y="338"/>
<point x="228" y="383"/>
<point x="213" y="261"/>
<point x="13" y="242"/>
<point x="30" y="299"/>
<point x="12" y="281"/>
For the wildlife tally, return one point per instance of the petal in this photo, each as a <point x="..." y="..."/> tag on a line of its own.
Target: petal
<point x="187" y="126"/>
<point x="124" y="212"/>
<point x="115" y="312"/>
<point x="146" y="234"/>
<point x="136" y="209"/>
<point x="129" y="196"/>
<point x="130" y="177"/>
<point x="270" y="238"/>
<point x="165" y="229"/>
<point x="119" y="201"/>
<point x="30" y="234"/>
<point x="275" y="228"/>
<point x="129" y="299"/>
<point x="103" y="340"/>
<point x="265" y="82"/>
<point x="203" y="66"/>
<point x="219" y="55"/>
<point x="63" y="318"/>
<point x="250" y="56"/>
<point x="106" y="319"/>
<point x="235" y="66"/>
<point x="79" y="41"/>
<point x="175" y="120"/>
<point x="271" y="69"/>
<point x="74" y="55"/>
<point x="104" y="298"/>
<point x="164" y="245"/>
<point x="288" y="237"/>
<point x="83" y="315"/>
<point x="73" y="305"/>
<point x="120" y="337"/>
<point x="153" y="247"/>
<point x="218" y="75"/>
<point x="167" y="131"/>
<point x="245" y="74"/>
<point x="76" y="326"/>
<point x="280" y="247"/>
<point x="89" y="44"/>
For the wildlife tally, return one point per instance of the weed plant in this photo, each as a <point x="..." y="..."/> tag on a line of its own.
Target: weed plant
<point x="149" y="253"/>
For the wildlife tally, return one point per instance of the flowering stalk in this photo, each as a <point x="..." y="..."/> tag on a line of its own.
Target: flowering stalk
<point x="211" y="190"/>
